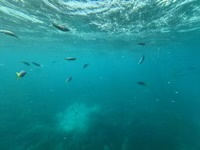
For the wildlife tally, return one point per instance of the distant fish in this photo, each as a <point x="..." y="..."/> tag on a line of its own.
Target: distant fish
<point x="20" y="74"/>
<point x="142" y="83"/>
<point x="60" y="27"/>
<point x="141" y="60"/>
<point x="85" y="65"/>
<point x="191" y="68"/>
<point x="141" y="43"/>
<point x="36" y="64"/>
<point x="9" y="33"/>
<point x="26" y="63"/>
<point x="70" y="58"/>
<point x="68" y="79"/>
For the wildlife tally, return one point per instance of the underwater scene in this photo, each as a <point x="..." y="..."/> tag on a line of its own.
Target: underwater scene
<point x="99" y="75"/>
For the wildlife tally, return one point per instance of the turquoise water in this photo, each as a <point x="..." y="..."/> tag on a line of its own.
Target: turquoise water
<point x="102" y="107"/>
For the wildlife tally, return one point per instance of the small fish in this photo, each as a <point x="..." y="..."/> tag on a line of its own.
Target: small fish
<point x="70" y="58"/>
<point x="26" y="63"/>
<point x="36" y="64"/>
<point x="20" y="74"/>
<point x="141" y="60"/>
<point x="141" y="43"/>
<point x="142" y="83"/>
<point x="191" y="68"/>
<point x="60" y="27"/>
<point x="9" y="33"/>
<point x="85" y="65"/>
<point x="68" y="79"/>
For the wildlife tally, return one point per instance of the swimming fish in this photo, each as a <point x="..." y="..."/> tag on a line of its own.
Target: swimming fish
<point x="26" y="63"/>
<point x="36" y="64"/>
<point x="141" y="60"/>
<point x="68" y="79"/>
<point x="191" y="68"/>
<point x="142" y="83"/>
<point x="70" y="58"/>
<point x="20" y="74"/>
<point x="9" y="33"/>
<point x="141" y="43"/>
<point x="60" y="27"/>
<point x="85" y="65"/>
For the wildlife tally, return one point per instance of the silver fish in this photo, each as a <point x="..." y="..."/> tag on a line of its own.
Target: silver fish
<point x="142" y="83"/>
<point x="20" y="74"/>
<point x="60" y="27"/>
<point x="26" y="63"/>
<point x="9" y="33"/>
<point x="36" y="64"/>
<point x="70" y="58"/>
<point x="85" y="65"/>
<point x="141" y="43"/>
<point x="141" y="60"/>
<point x="68" y="79"/>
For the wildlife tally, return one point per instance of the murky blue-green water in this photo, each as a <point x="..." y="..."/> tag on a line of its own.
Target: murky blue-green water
<point x="114" y="102"/>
